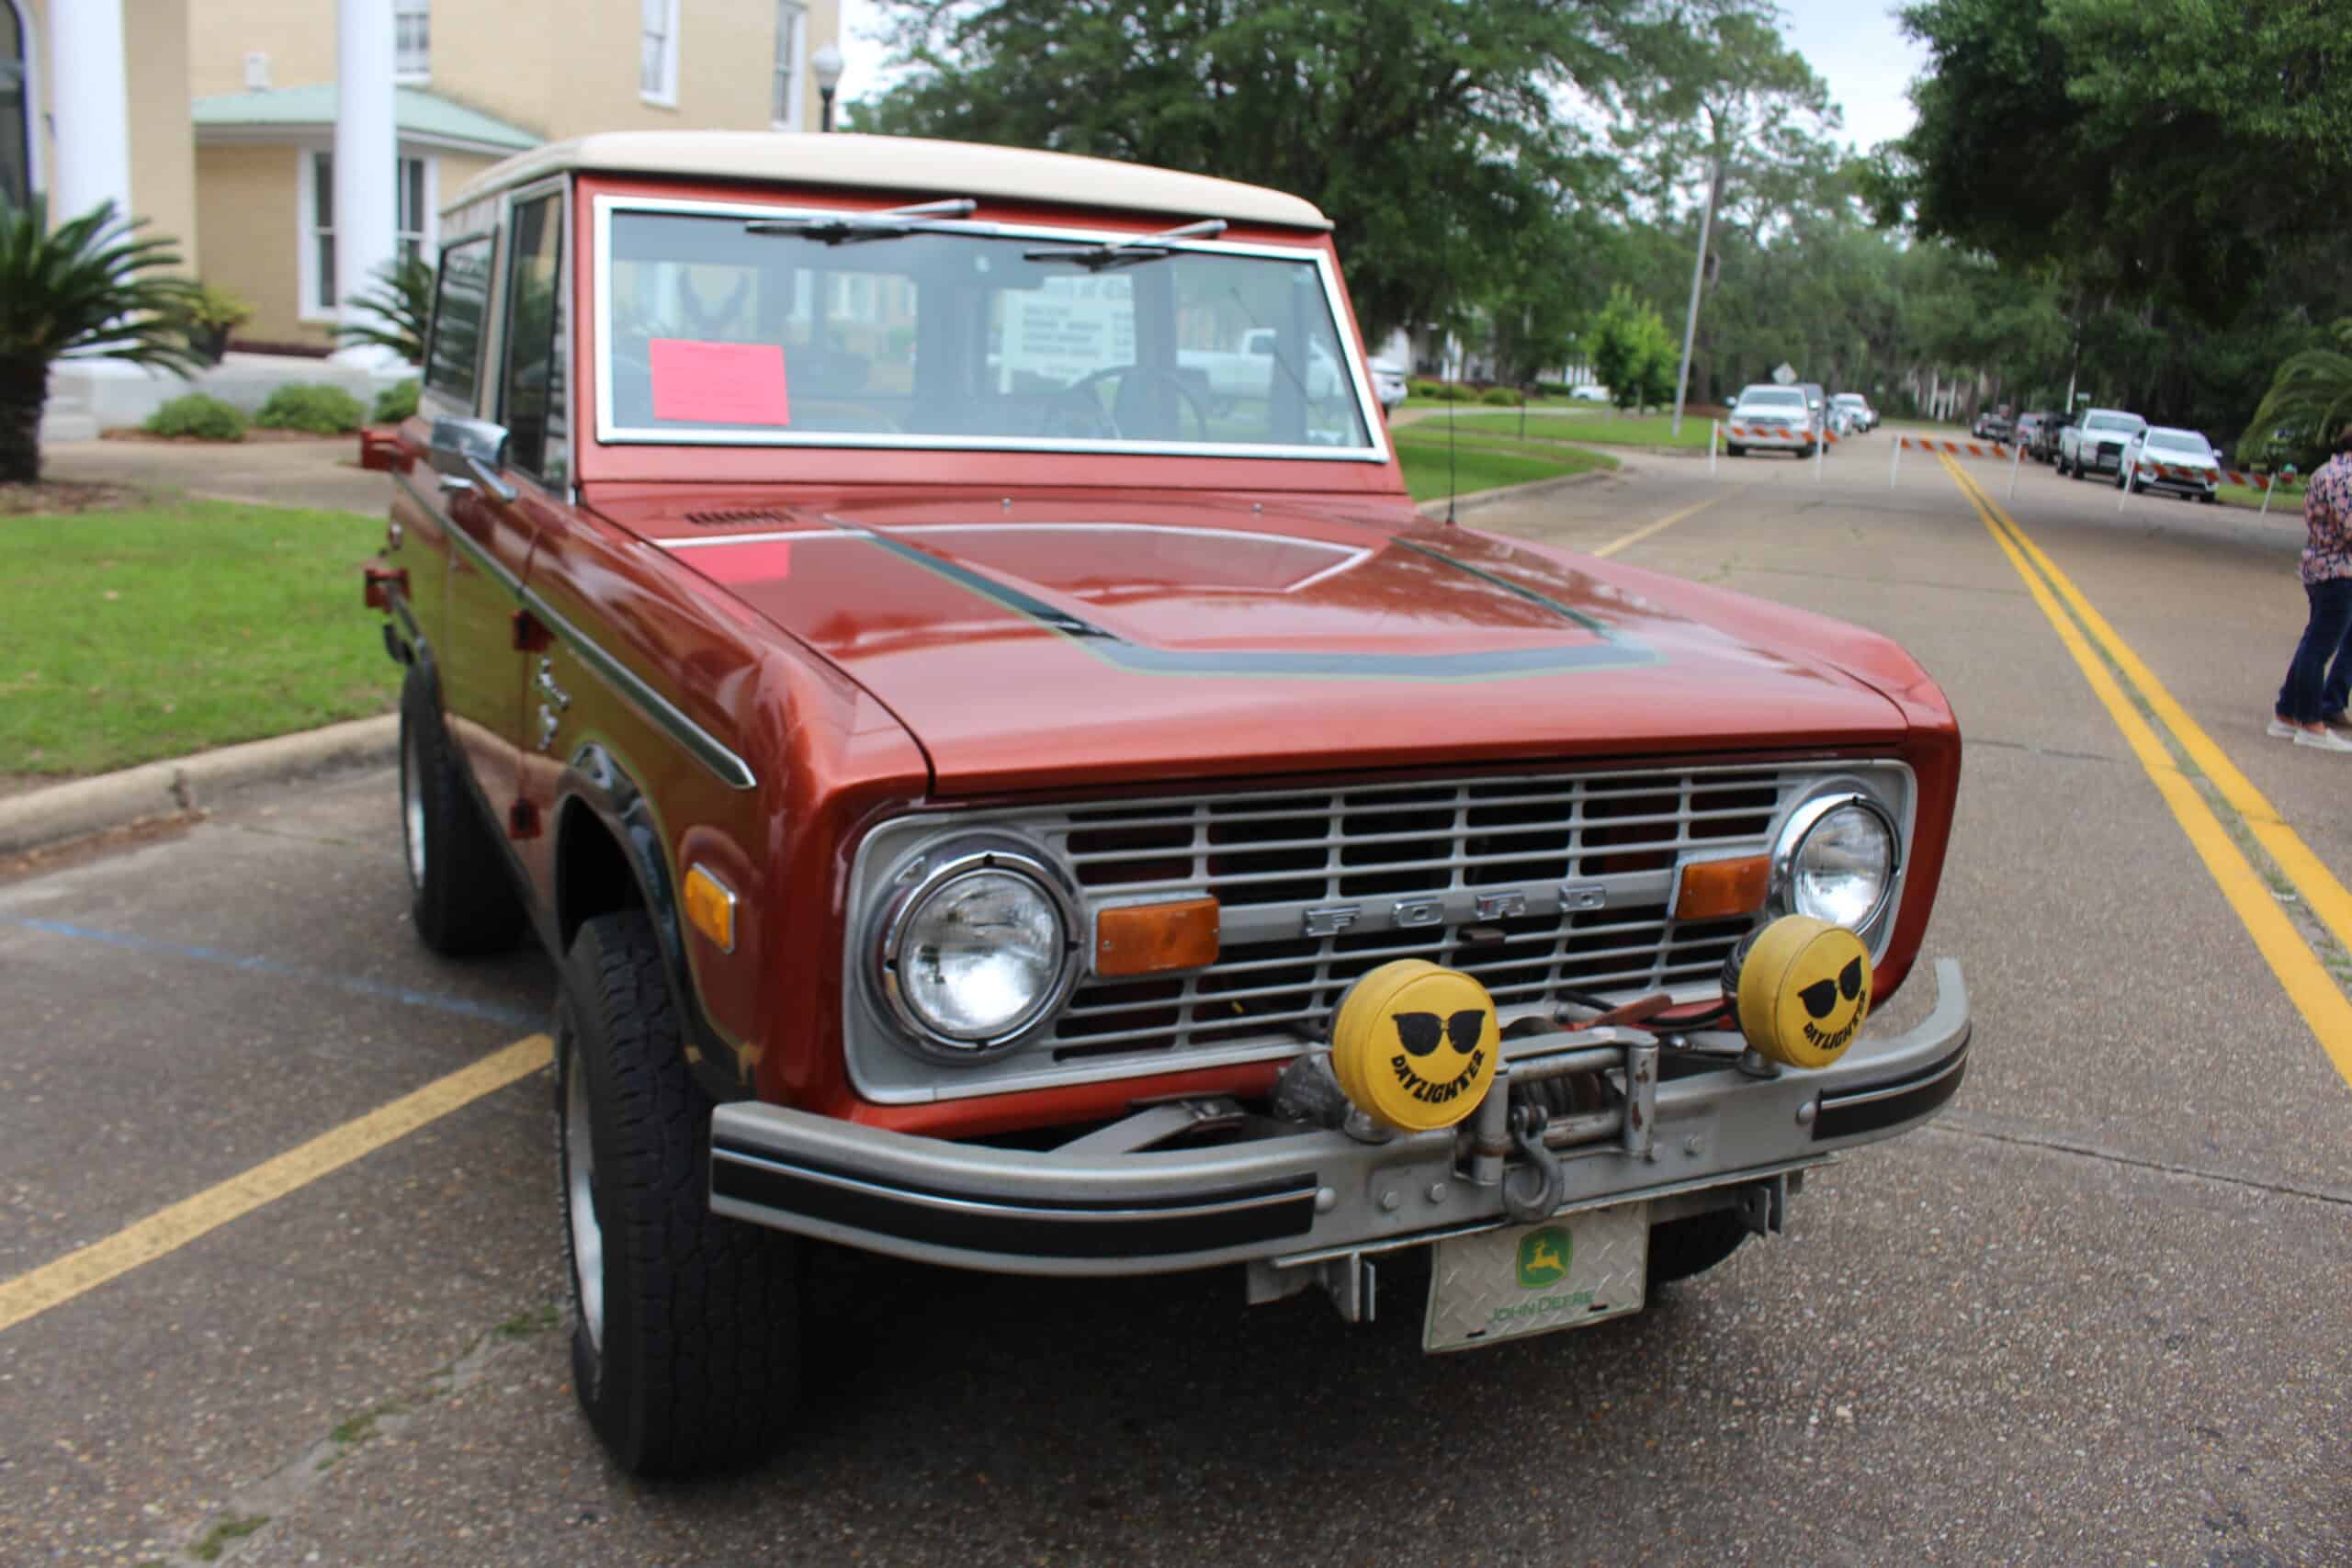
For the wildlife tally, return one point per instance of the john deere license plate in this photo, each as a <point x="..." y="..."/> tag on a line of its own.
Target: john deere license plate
<point x="1563" y="1273"/>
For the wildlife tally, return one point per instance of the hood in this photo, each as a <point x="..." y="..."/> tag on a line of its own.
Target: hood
<point x="1031" y="646"/>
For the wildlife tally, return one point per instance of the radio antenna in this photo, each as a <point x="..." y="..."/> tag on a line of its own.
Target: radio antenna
<point x="1451" y="394"/>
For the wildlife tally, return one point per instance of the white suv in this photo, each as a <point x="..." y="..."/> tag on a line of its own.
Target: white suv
<point x="1771" y="419"/>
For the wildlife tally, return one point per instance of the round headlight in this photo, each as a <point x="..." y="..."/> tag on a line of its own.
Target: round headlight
<point x="976" y="953"/>
<point x="1837" y="860"/>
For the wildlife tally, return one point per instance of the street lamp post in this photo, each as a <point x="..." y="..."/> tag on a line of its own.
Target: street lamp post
<point x="826" y="63"/>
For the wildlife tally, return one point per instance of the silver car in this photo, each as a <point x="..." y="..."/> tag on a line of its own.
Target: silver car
<point x="1388" y="383"/>
<point x="2163" y="458"/>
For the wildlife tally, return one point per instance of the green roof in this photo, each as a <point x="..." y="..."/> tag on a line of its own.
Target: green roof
<point x="414" y="113"/>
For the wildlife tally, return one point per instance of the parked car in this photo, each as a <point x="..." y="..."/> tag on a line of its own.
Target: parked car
<point x="1991" y="424"/>
<point x="1388" y="383"/>
<point x="1768" y="418"/>
<point x="987" y="810"/>
<point x="2163" y="458"/>
<point x="2027" y="426"/>
<point x="2094" y="445"/>
<point x="2044" y="446"/>
<point x="1817" y="400"/>
<point x="1859" y="411"/>
<point x="1587" y="392"/>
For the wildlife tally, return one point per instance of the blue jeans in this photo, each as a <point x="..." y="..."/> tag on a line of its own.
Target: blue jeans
<point x="2314" y="691"/>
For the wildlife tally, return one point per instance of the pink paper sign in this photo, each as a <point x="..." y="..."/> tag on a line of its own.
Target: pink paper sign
<point x="718" y="383"/>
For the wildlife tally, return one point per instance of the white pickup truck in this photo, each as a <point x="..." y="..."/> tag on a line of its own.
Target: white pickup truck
<point x="1248" y="371"/>
<point x="2094" y="445"/>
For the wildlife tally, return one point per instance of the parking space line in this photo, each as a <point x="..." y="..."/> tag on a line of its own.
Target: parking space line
<point x="2318" y="886"/>
<point x="169" y="1229"/>
<point x="404" y="995"/>
<point x="1646" y="529"/>
<point x="2314" y="993"/>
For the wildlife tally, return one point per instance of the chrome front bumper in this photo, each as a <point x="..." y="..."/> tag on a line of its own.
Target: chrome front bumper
<point x="1100" y="1205"/>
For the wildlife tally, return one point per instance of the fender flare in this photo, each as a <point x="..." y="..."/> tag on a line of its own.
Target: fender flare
<point x="603" y="787"/>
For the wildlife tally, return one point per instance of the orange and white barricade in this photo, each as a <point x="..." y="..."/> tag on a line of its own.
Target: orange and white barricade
<point x="2008" y="449"/>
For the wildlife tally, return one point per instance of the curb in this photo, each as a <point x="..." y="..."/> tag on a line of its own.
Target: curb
<point x="186" y="784"/>
<point x="1436" y="506"/>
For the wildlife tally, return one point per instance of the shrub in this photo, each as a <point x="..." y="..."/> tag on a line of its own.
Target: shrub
<point x="206" y="418"/>
<point x="394" y="403"/>
<point x="301" y="405"/>
<point x="1501" y="397"/>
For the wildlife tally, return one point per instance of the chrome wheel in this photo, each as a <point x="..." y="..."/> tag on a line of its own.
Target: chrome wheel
<point x="413" y="810"/>
<point x="580" y="1204"/>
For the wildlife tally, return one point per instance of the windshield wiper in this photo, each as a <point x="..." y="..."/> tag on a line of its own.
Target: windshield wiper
<point x="1126" y="252"/>
<point x="848" y="227"/>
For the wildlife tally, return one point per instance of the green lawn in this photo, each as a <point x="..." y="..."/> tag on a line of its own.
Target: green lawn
<point x="1600" y="429"/>
<point x="2289" y="498"/>
<point x="130" y="636"/>
<point x="1482" y="461"/>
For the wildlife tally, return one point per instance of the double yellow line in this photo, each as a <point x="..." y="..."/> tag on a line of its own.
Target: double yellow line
<point x="2305" y="979"/>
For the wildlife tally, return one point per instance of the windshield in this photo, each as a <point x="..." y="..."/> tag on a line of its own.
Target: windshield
<point x="2112" y="421"/>
<point x="2187" y="442"/>
<point x="961" y="335"/>
<point x="1846" y="401"/>
<point x="1772" y="398"/>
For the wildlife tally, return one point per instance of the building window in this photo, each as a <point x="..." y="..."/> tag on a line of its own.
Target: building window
<point x="791" y="48"/>
<point x="412" y="225"/>
<point x="412" y="40"/>
<point x="657" y="58"/>
<point x="15" y="114"/>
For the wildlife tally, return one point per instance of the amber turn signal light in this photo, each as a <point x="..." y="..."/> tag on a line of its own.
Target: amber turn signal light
<point x="710" y="908"/>
<point x="1715" y="889"/>
<point x="1143" y="939"/>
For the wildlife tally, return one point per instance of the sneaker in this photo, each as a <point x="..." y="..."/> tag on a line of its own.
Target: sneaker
<point x="2322" y="741"/>
<point x="2279" y="729"/>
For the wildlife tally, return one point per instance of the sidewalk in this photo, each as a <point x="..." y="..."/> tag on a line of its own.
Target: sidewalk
<point x="323" y="475"/>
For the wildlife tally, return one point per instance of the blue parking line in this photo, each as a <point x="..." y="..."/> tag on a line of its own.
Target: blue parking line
<point x="401" y="994"/>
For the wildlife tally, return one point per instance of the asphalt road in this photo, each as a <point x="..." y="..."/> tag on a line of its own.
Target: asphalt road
<point x="2102" y="1312"/>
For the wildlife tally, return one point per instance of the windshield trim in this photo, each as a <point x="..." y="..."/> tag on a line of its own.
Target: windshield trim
<point x="1375" y="450"/>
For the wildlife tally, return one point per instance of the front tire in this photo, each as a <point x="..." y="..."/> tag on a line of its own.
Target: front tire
<point x="685" y="1349"/>
<point x="1694" y="1244"/>
<point x="462" y="896"/>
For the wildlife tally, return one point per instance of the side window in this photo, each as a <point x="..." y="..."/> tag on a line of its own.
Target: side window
<point x="531" y="387"/>
<point x="453" y="362"/>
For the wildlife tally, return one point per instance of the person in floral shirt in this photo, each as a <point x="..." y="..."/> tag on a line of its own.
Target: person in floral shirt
<point x="2313" y="697"/>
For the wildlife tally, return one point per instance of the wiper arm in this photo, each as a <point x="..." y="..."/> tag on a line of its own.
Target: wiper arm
<point x="1126" y="252"/>
<point x="848" y="227"/>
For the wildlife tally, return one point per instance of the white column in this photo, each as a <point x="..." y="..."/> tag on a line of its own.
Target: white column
<point x="366" y="147"/>
<point x="91" y="109"/>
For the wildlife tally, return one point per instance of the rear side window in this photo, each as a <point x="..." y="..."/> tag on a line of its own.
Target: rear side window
<point x="453" y="361"/>
<point x="531" y="392"/>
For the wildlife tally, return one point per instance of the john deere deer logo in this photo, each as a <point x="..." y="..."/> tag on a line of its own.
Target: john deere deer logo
<point x="1544" y="1257"/>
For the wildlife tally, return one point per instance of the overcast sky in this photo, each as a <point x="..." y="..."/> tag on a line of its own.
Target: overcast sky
<point x="1858" y="49"/>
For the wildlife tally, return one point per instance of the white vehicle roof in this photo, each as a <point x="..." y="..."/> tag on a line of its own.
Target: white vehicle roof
<point x="914" y="166"/>
<point x="1774" y="394"/>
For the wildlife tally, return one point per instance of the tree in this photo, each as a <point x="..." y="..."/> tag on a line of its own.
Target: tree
<point x="402" y="303"/>
<point x="2172" y="152"/>
<point x="1631" y="350"/>
<point x="91" y="288"/>
<point x="2310" y="398"/>
<point x="1428" y="130"/>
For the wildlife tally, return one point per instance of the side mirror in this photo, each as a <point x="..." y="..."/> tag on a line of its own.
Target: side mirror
<point x="469" y="452"/>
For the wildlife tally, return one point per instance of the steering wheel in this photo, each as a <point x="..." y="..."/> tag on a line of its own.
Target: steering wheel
<point x="1075" y="393"/>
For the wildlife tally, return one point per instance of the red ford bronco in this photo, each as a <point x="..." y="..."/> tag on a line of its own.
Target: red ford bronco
<point x="1007" y="789"/>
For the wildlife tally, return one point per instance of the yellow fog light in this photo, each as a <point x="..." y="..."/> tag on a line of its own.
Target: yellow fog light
<point x="710" y="908"/>
<point x="1415" y="1045"/>
<point x="1804" y="989"/>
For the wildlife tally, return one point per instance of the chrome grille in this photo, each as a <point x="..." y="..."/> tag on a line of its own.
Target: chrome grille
<point x="1536" y="884"/>
<point x="1620" y="834"/>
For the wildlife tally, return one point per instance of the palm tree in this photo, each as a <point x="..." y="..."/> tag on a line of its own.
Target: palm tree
<point x="2311" y="396"/>
<point x="402" y="301"/>
<point x="91" y="288"/>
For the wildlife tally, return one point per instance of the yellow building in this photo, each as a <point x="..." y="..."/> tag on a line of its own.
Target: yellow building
<point x="220" y="119"/>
